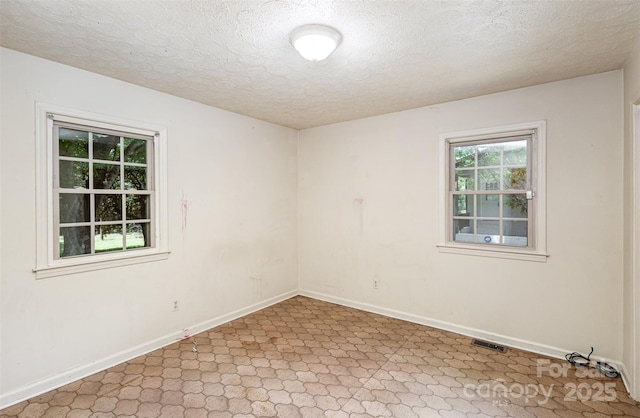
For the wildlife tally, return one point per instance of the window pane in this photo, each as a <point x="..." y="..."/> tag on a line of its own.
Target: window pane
<point x="465" y="180"/>
<point x="137" y="207"/>
<point x="515" y="233"/>
<point x="488" y="232"/>
<point x="138" y="235"/>
<point x="463" y="205"/>
<point x="135" y="178"/>
<point x="106" y="147"/>
<point x="135" y="150"/>
<point x="75" y="208"/>
<point x="108" y="207"/>
<point x="489" y="179"/>
<point x="515" y="178"/>
<point x="74" y="174"/>
<point x="515" y="206"/>
<point x="108" y="238"/>
<point x="489" y="154"/>
<point x="465" y="156"/>
<point x="75" y="240"/>
<point x="489" y="205"/>
<point x="102" y="184"/>
<point x="463" y="230"/>
<point x="515" y="153"/>
<point x="73" y="143"/>
<point x="106" y="176"/>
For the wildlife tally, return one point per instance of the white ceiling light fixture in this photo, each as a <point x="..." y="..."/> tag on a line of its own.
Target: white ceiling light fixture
<point x="315" y="42"/>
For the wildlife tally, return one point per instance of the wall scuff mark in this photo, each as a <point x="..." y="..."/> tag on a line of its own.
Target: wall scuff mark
<point x="184" y="205"/>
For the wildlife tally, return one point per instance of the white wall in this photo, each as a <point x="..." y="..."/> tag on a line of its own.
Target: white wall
<point x="238" y="175"/>
<point x="632" y="224"/>
<point x="368" y="210"/>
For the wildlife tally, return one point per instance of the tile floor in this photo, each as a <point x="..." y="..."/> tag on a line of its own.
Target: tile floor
<point x="307" y="358"/>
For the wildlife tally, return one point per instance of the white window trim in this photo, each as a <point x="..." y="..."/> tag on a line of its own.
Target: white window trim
<point x="539" y="253"/>
<point x="46" y="265"/>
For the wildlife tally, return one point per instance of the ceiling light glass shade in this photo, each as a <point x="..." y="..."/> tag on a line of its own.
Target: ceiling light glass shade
<point x="315" y="42"/>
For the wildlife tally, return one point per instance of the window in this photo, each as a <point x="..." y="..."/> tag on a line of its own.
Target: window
<point x="101" y="192"/>
<point x="493" y="194"/>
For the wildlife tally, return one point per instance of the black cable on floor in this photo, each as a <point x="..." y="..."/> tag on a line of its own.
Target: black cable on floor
<point x="581" y="361"/>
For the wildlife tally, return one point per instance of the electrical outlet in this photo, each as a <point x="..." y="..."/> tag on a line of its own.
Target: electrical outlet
<point x="176" y="306"/>
<point x="375" y="283"/>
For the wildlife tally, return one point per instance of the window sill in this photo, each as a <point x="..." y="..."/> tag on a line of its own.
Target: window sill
<point x="79" y="265"/>
<point x="508" y="253"/>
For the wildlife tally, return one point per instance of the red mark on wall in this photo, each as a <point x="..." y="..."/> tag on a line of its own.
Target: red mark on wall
<point x="184" y="204"/>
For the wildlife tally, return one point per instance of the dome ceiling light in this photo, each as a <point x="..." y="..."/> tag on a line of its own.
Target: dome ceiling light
<point x="315" y="42"/>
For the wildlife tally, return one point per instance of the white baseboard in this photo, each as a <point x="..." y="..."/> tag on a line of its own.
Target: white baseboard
<point x="80" y="372"/>
<point x="625" y="373"/>
<point x="531" y="346"/>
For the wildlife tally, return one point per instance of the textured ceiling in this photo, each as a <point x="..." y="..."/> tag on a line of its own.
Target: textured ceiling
<point x="395" y="55"/>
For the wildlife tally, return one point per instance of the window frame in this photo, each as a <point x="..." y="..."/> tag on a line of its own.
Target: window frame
<point x="47" y="265"/>
<point x="536" y="247"/>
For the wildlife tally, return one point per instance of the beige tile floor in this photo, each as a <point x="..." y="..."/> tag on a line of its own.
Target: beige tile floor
<point x="307" y="358"/>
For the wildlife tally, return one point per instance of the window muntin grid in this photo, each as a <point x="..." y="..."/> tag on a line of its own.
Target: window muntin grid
<point x="103" y="197"/>
<point x="490" y="189"/>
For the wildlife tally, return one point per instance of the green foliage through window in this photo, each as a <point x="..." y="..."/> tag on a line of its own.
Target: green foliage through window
<point x="103" y="189"/>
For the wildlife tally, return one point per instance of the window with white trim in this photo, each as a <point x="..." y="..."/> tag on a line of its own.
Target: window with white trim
<point x="101" y="192"/>
<point x="493" y="191"/>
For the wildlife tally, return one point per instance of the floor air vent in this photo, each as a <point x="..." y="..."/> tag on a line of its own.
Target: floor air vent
<point x="490" y="346"/>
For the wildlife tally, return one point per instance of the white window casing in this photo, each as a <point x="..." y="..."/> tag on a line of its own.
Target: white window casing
<point x="48" y="260"/>
<point x="534" y="247"/>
